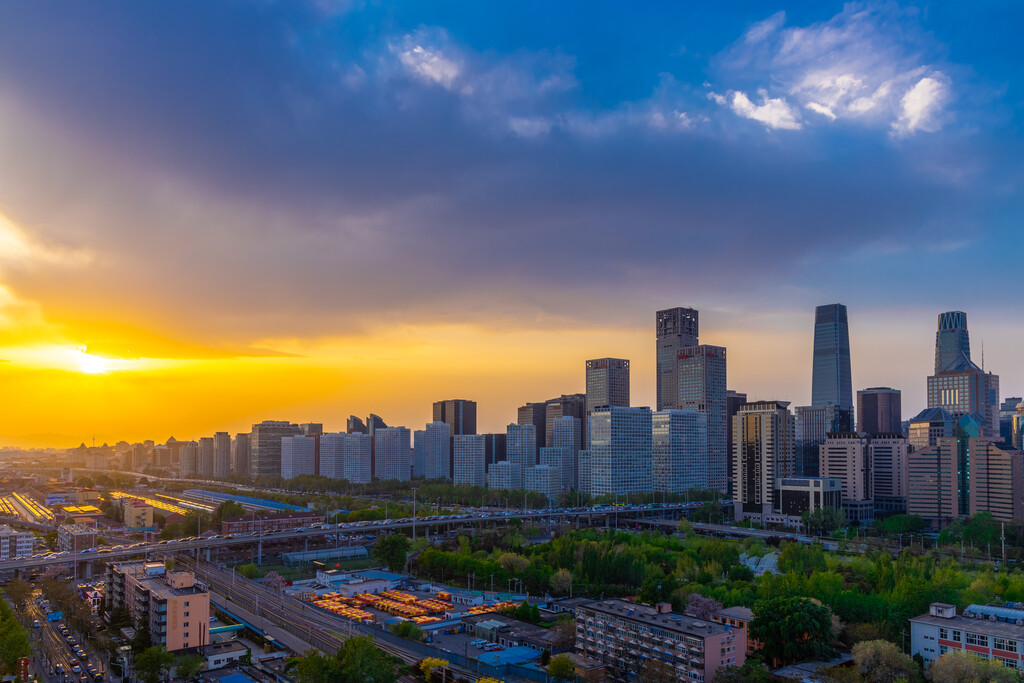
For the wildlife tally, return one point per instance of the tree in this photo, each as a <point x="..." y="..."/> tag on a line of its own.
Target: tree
<point x="428" y="664"/>
<point x="823" y="519"/>
<point x="561" y="582"/>
<point x="19" y="592"/>
<point x="513" y="563"/>
<point x="564" y="630"/>
<point x="793" y="629"/>
<point x="685" y="527"/>
<point x="248" y="571"/>
<point x="153" y="663"/>
<point x="883" y="662"/>
<point x="752" y="671"/>
<point x="188" y="666"/>
<point x="358" y="660"/>
<point x="274" y="581"/>
<point x="657" y="671"/>
<point x="392" y="551"/>
<point x="561" y="668"/>
<point x="957" y="666"/>
<point x="700" y="607"/>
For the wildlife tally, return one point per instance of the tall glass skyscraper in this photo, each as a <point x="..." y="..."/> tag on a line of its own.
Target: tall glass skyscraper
<point x="951" y="339"/>
<point x="675" y="329"/>
<point x="830" y="382"/>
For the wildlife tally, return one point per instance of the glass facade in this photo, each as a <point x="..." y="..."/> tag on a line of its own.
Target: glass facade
<point x="830" y="381"/>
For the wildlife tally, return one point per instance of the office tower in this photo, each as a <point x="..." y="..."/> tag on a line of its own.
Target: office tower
<point x="812" y="425"/>
<point x="733" y="401"/>
<point x="566" y="405"/>
<point x="830" y="381"/>
<point x="1007" y="411"/>
<point x="221" y="454"/>
<point x="930" y="425"/>
<point x="298" y="456"/>
<point x="675" y="329"/>
<point x="206" y="457"/>
<point x="951" y="340"/>
<point x="543" y="479"/>
<point x="265" y="447"/>
<point x="887" y="454"/>
<point x="357" y="452"/>
<point x="470" y="459"/>
<point x="567" y="436"/>
<point x="534" y="414"/>
<point x="240" y="454"/>
<point x="996" y="481"/>
<point x="607" y="385"/>
<point x="763" y="441"/>
<point x="583" y="471"/>
<point x="392" y="453"/>
<point x="563" y="460"/>
<point x="189" y="458"/>
<point x="458" y="413"/>
<point x="373" y="423"/>
<point x="965" y="389"/>
<point x="495" y="448"/>
<point x="521" y="448"/>
<point x="845" y="456"/>
<point x="437" y="453"/>
<point x="939" y="477"/>
<point x="419" y="453"/>
<point x="505" y="475"/>
<point x="702" y="387"/>
<point x="879" y="411"/>
<point x="354" y="425"/>
<point x="332" y="455"/>
<point x="679" y="442"/>
<point x="1017" y="428"/>
<point x="621" y="457"/>
<point x="311" y="428"/>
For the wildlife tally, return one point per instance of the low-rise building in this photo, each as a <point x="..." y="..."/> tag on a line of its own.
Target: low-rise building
<point x="222" y="654"/>
<point x="347" y="584"/>
<point x="510" y="632"/>
<point x="255" y="521"/>
<point x="137" y="514"/>
<point x="169" y="603"/>
<point x="75" y="537"/>
<point x="738" y="617"/>
<point x="14" y="543"/>
<point x="625" y="636"/>
<point x="992" y="631"/>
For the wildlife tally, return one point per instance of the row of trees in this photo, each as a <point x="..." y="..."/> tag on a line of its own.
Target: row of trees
<point x="14" y="642"/>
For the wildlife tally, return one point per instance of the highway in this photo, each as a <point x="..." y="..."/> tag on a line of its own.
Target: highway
<point x="342" y="530"/>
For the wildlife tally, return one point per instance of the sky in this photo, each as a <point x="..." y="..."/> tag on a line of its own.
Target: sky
<point x="215" y="213"/>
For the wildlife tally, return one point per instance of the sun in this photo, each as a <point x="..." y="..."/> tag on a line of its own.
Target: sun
<point x="92" y="365"/>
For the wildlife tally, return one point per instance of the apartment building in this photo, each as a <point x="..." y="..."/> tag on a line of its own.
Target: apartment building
<point x="169" y="603"/>
<point x="14" y="543"/>
<point x="991" y="631"/>
<point x="75" y="537"/>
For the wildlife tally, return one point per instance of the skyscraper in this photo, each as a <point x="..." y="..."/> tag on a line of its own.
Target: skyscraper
<point x="221" y="454"/>
<point x="470" y="455"/>
<point x="813" y="424"/>
<point x="963" y="388"/>
<point x="458" y="413"/>
<point x="265" y="447"/>
<point x="607" y="385"/>
<point x="240" y="453"/>
<point x="357" y="451"/>
<point x="298" y="456"/>
<point x="846" y="456"/>
<point x="521" y="448"/>
<point x="763" y="436"/>
<point x="621" y="457"/>
<point x="951" y="339"/>
<point x="701" y="374"/>
<point x="680" y="450"/>
<point x="567" y="436"/>
<point x="534" y="414"/>
<point x="830" y="381"/>
<point x="733" y="401"/>
<point x="675" y="329"/>
<point x="332" y="455"/>
<point x="206" y="457"/>
<point x="566" y="405"/>
<point x="888" y="456"/>
<point x="437" y="454"/>
<point x="879" y="411"/>
<point x="392" y="453"/>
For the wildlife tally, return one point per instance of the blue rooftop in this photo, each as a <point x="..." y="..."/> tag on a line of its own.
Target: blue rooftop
<point x="512" y="655"/>
<point x="380" y="575"/>
<point x="236" y="678"/>
<point x="246" y="500"/>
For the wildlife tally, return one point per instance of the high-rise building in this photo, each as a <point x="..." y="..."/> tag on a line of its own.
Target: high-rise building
<point x="495" y="448"/>
<point x="419" y="453"/>
<point x="534" y="414"/>
<point x="437" y="454"/>
<point x="562" y="460"/>
<point x="583" y="471"/>
<point x="996" y="481"/>
<point x="567" y="436"/>
<point x="544" y="479"/>
<point x="879" y="411"/>
<point x="830" y="382"/>
<point x="930" y="425"/>
<point x="357" y="451"/>
<point x="845" y="456"/>
<point x="458" y="413"/>
<point x="702" y="387"/>
<point x="332" y="455"/>
<point x="505" y="475"/>
<point x="1007" y="411"/>
<point x="675" y="329"/>
<point x="951" y="340"/>
<point x="763" y="443"/>
<point x="189" y="458"/>
<point x="813" y="424"/>
<point x="887" y="454"/>
<point x="965" y="389"/>
<point x="373" y="423"/>
<point x="392" y="453"/>
<point x="607" y="385"/>
<point x="679" y="440"/>
<point x="221" y="454"/>
<point x="939" y="478"/>
<point x="566" y="405"/>
<point x="621" y="456"/>
<point x="298" y="456"/>
<point x="733" y="401"/>
<point x="206" y="457"/>
<point x="265" y="447"/>
<point x="240" y="453"/>
<point x="521" y="448"/>
<point x="354" y="425"/>
<point x="470" y="456"/>
<point x="311" y="428"/>
<point x="1017" y="428"/>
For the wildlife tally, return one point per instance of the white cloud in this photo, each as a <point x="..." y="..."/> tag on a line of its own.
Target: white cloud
<point x="773" y="112"/>
<point x="821" y="109"/>
<point x="429" y="65"/>
<point x="921" y="104"/>
<point x="529" y="127"/>
<point x="763" y="29"/>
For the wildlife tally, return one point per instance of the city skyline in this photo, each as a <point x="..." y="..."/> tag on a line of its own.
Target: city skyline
<point x="355" y="208"/>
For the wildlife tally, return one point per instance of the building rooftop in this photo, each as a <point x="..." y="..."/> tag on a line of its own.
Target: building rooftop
<point x="738" y="612"/>
<point x="980" y="624"/>
<point x="669" y="621"/>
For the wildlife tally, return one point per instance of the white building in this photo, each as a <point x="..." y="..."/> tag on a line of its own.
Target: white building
<point x="437" y="451"/>
<point x="521" y="448"/>
<point x="470" y="458"/>
<point x="505" y="475"/>
<point x="583" y="471"/>
<point x="621" y="458"/>
<point x="845" y="456"/>
<point x="680" y="446"/>
<point x="357" y="450"/>
<point x="419" y="453"/>
<point x="567" y="433"/>
<point x="543" y="479"/>
<point x="992" y="632"/>
<point x="392" y="453"/>
<point x="14" y="543"/>
<point x="298" y="456"/>
<point x="561" y="459"/>
<point x="332" y="455"/>
<point x="888" y="455"/>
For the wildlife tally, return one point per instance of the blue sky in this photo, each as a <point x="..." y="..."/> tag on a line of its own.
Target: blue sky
<point x="320" y="169"/>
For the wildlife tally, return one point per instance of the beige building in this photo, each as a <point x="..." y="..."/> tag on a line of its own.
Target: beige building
<point x="14" y="543"/>
<point x="75" y="537"/>
<point x="137" y="514"/>
<point x="846" y="457"/>
<point x="175" y="609"/>
<point x="996" y="481"/>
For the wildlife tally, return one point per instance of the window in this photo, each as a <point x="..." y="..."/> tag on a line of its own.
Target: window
<point x="1004" y="644"/>
<point x="944" y="633"/>
<point x="975" y="639"/>
<point x="943" y="649"/>
<point x="1008" y="663"/>
<point x="956" y="636"/>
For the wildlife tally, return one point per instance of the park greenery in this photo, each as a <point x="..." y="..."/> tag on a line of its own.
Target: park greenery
<point x="14" y="642"/>
<point x="358" y="660"/>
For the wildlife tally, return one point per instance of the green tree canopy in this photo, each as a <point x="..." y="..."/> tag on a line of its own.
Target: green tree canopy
<point x="152" y="663"/>
<point x="957" y="666"/>
<point x="358" y="660"/>
<point x="392" y="551"/>
<point x="561" y="668"/>
<point x="793" y="629"/>
<point x="882" y="662"/>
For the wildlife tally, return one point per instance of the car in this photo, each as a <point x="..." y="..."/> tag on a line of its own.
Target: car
<point x="76" y="668"/>
<point x="35" y="623"/>
<point x="89" y="550"/>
